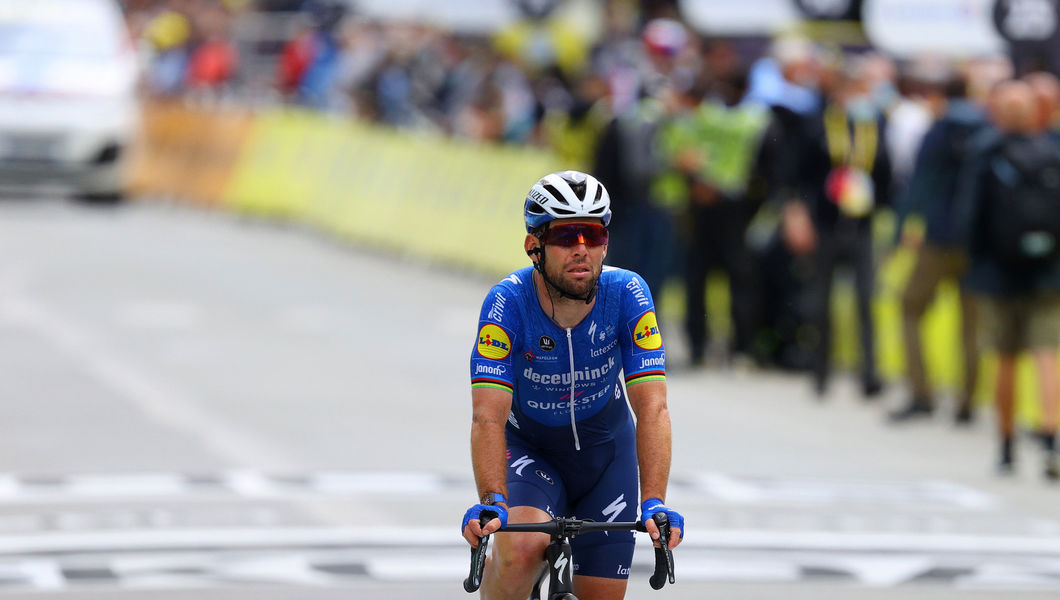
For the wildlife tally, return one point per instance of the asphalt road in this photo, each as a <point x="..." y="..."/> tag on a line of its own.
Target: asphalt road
<point x="196" y="404"/>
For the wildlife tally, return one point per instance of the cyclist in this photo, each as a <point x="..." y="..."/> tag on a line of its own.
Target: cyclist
<point x="552" y="434"/>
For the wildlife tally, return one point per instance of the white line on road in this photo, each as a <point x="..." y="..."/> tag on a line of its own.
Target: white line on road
<point x="132" y="540"/>
<point x="751" y="490"/>
<point x="40" y="574"/>
<point x="126" y="485"/>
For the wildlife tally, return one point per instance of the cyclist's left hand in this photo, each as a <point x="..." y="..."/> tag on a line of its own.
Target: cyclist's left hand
<point x="677" y="523"/>
<point x="473" y="530"/>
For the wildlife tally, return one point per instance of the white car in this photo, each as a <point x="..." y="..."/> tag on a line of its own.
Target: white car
<point x="68" y="107"/>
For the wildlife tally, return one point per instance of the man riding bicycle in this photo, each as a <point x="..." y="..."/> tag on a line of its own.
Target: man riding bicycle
<point x="552" y="434"/>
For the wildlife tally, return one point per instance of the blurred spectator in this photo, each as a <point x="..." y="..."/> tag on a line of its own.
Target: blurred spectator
<point x="789" y="77"/>
<point x="1046" y="88"/>
<point x="212" y="63"/>
<point x="931" y="194"/>
<point x="842" y="176"/>
<point x="710" y="147"/>
<point x="983" y="75"/>
<point x="294" y="62"/>
<point x="787" y="81"/>
<point x="364" y="49"/>
<point x="574" y="134"/>
<point x="482" y="118"/>
<point x="910" y="114"/>
<point x="1012" y="228"/>
<point x="168" y="33"/>
<point x="627" y="160"/>
<point x="669" y="60"/>
<point x="308" y="68"/>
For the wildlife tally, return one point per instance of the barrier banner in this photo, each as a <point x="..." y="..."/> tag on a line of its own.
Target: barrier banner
<point x="186" y="152"/>
<point x="445" y="200"/>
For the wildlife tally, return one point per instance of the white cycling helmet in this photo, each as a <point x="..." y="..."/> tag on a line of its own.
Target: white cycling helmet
<point x="565" y="195"/>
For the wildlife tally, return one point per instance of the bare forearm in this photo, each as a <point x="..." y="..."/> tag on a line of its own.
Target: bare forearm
<point x="653" y="455"/>
<point x="488" y="443"/>
<point x="653" y="438"/>
<point x="487" y="457"/>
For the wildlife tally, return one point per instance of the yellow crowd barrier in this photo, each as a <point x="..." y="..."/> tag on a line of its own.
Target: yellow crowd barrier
<point x="457" y="203"/>
<point x="441" y="199"/>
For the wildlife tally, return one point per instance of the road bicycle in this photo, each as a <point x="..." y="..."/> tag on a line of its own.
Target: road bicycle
<point x="559" y="567"/>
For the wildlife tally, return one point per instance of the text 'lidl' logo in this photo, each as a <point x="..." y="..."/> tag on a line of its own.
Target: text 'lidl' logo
<point x="493" y="342"/>
<point x="646" y="334"/>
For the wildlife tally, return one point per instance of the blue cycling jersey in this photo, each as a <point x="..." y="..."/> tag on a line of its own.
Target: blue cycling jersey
<point x="521" y="350"/>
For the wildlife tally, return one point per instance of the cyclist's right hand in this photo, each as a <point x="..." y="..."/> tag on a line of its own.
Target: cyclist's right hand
<point x="473" y="530"/>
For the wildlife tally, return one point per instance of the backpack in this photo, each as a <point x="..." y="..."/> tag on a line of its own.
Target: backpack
<point x="1024" y="225"/>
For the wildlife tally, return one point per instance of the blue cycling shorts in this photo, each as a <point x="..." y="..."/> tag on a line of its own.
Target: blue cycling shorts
<point x="598" y="483"/>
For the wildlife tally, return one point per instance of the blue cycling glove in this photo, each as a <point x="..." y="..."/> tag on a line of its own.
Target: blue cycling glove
<point x="653" y="505"/>
<point x="476" y="511"/>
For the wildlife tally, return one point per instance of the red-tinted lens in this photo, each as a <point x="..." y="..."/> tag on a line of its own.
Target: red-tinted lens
<point x="578" y="233"/>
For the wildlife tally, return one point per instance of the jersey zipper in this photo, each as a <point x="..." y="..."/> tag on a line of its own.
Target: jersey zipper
<point x="573" y="426"/>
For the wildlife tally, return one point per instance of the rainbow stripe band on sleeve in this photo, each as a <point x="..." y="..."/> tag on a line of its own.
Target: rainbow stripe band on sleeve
<point x="497" y="384"/>
<point x="645" y="376"/>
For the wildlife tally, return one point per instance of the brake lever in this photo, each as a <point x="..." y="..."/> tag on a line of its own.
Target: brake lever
<point x="664" y="557"/>
<point x="478" y="555"/>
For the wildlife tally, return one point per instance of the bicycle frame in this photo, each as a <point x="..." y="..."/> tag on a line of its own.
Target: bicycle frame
<point x="558" y="560"/>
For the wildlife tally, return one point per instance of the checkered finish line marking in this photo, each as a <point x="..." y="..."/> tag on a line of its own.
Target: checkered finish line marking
<point x="329" y="557"/>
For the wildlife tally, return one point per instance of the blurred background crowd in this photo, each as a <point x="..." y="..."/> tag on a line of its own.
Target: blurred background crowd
<point x="777" y="159"/>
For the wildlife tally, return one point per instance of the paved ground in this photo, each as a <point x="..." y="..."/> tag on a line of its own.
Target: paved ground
<point x="197" y="404"/>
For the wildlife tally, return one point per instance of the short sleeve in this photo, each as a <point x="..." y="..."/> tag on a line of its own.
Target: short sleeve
<point x="643" y="353"/>
<point x="498" y="324"/>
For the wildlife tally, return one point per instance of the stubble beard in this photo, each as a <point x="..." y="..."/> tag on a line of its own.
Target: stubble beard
<point x="558" y="280"/>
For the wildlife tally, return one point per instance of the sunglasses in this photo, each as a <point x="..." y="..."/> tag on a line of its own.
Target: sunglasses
<point x="566" y="236"/>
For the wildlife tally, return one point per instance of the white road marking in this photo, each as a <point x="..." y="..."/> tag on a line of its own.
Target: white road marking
<point x="715" y="540"/>
<point x="40" y="574"/>
<point x="382" y="482"/>
<point x="126" y="485"/>
<point x="230" y="538"/>
<point x="292" y="569"/>
<point x="251" y="484"/>
<point x="428" y="566"/>
<point x="9" y="487"/>
<point x="750" y="490"/>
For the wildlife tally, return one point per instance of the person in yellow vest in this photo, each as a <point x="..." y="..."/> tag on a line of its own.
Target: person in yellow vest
<point x="575" y="132"/>
<point x="842" y="176"/>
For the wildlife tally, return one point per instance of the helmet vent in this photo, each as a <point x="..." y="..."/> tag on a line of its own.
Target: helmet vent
<point x="577" y="188"/>
<point x="551" y="189"/>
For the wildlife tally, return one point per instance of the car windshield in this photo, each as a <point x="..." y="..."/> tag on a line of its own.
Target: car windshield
<point x="58" y="29"/>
